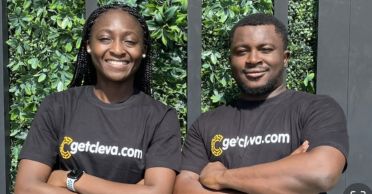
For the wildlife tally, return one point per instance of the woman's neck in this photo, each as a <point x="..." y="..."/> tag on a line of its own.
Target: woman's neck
<point x="113" y="92"/>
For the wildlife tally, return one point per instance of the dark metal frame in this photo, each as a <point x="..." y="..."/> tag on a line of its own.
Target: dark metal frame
<point x="194" y="49"/>
<point x="4" y="103"/>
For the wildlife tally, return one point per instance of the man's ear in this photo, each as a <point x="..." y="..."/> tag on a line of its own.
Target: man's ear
<point x="286" y="54"/>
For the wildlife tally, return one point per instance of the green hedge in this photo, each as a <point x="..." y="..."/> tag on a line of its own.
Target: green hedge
<point x="44" y="37"/>
<point x="43" y="40"/>
<point x="302" y="44"/>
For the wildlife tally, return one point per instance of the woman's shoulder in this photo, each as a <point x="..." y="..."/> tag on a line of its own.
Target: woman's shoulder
<point x="65" y="96"/>
<point x="148" y="102"/>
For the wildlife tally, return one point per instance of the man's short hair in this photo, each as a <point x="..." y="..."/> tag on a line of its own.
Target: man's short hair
<point x="262" y="19"/>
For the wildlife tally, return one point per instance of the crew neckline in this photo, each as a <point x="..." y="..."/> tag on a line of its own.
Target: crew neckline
<point x="89" y="92"/>
<point x="262" y="103"/>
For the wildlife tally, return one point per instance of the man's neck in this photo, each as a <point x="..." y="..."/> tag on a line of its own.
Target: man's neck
<point x="280" y="89"/>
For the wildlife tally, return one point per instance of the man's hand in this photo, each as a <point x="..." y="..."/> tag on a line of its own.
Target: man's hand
<point x="58" y="178"/>
<point x="302" y="149"/>
<point x="210" y="174"/>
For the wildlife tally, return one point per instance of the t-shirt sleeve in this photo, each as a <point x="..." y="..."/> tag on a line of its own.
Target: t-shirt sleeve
<point x="194" y="153"/>
<point x="325" y="124"/>
<point x="41" y="143"/>
<point x="165" y="146"/>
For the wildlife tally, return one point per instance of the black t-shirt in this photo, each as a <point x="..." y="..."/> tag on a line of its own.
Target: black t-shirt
<point x="117" y="142"/>
<point x="246" y="133"/>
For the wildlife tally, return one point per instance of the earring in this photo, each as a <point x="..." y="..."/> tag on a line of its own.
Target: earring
<point x="143" y="55"/>
<point x="88" y="50"/>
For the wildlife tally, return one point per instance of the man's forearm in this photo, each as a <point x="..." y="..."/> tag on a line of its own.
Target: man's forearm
<point x="311" y="172"/>
<point x="187" y="182"/>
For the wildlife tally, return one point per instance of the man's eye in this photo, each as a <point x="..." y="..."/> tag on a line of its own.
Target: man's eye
<point x="130" y="42"/>
<point x="267" y="50"/>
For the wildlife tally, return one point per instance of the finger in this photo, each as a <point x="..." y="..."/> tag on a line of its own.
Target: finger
<point x="302" y="149"/>
<point x="141" y="182"/>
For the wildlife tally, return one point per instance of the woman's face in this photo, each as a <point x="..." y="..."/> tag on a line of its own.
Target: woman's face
<point x="116" y="46"/>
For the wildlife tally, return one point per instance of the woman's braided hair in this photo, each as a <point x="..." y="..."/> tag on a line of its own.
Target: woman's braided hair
<point x="85" y="72"/>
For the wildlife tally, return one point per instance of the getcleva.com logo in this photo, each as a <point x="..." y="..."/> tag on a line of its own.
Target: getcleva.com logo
<point x="219" y="143"/>
<point x="70" y="147"/>
<point x="216" y="151"/>
<point x="66" y="141"/>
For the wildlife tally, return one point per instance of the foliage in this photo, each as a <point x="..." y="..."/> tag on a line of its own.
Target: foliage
<point x="43" y="38"/>
<point x="302" y="35"/>
<point x="218" y="17"/>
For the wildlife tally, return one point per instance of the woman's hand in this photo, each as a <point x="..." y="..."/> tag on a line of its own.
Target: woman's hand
<point x="58" y="178"/>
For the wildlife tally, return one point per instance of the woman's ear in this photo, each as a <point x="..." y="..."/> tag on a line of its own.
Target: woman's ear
<point x="88" y="48"/>
<point x="144" y="51"/>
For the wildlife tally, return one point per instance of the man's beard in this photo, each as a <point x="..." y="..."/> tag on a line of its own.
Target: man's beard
<point x="264" y="90"/>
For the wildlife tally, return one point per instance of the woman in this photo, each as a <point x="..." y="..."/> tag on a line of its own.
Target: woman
<point x="105" y="134"/>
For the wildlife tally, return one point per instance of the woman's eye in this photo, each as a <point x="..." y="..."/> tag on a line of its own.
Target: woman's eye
<point x="130" y="42"/>
<point x="104" y="40"/>
<point x="240" y="52"/>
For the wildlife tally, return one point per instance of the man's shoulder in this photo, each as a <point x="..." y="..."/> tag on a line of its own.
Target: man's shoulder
<point x="221" y="111"/>
<point x="308" y="98"/>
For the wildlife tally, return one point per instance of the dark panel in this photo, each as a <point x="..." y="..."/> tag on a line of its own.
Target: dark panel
<point x="90" y="6"/>
<point x="4" y="103"/>
<point x="333" y="49"/>
<point x="333" y="57"/>
<point x="194" y="49"/>
<point x="360" y="93"/>
<point x="281" y="11"/>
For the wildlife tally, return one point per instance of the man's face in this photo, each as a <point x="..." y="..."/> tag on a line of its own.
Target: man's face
<point x="258" y="59"/>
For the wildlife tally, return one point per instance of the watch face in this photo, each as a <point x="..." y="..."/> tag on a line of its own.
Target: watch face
<point x="75" y="174"/>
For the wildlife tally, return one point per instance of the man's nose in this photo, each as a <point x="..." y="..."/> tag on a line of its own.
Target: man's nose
<point x="253" y="58"/>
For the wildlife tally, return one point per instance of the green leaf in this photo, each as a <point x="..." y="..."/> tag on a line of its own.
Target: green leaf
<point x="59" y="86"/>
<point x="26" y="4"/>
<point x="41" y="77"/>
<point x="213" y="59"/>
<point x="68" y="47"/>
<point x="169" y="14"/>
<point x="33" y="62"/>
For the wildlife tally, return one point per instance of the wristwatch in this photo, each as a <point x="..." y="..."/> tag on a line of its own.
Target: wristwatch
<point x="72" y="177"/>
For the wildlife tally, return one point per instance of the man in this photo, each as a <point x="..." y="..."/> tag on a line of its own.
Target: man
<point x="270" y="140"/>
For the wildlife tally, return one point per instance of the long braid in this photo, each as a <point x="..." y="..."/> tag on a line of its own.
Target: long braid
<point x="85" y="72"/>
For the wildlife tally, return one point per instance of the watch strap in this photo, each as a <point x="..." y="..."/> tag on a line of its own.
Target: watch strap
<point x="70" y="184"/>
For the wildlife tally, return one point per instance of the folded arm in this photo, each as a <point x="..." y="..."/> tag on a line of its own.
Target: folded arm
<point x="311" y="172"/>
<point x="188" y="182"/>
<point x="32" y="177"/>
<point x="157" y="180"/>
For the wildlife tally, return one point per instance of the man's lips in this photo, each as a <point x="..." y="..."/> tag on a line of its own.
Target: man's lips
<point x="254" y="73"/>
